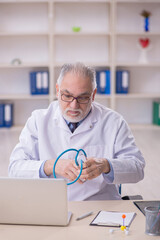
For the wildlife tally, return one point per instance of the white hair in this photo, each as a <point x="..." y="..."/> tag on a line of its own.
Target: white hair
<point x="78" y="68"/>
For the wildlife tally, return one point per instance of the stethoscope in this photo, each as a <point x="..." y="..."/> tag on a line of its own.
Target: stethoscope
<point x="76" y="161"/>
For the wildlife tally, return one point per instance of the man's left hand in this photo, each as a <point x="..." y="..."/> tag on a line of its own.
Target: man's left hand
<point x="93" y="167"/>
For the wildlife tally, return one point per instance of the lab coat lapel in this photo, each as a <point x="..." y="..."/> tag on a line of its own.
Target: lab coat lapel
<point x="88" y="123"/>
<point x="59" y="120"/>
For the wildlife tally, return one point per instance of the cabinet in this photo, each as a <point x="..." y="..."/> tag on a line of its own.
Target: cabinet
<point x="40" y="34"/>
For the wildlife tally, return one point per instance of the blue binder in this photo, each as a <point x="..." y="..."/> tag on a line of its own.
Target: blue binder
<point x="1" y="115"/>
<point x="122" y="81"/>
<point x="39" y="82"/>
<point x="45" y="83"/>
<point x="8" y="115"/>
<point x="103" y="81"/>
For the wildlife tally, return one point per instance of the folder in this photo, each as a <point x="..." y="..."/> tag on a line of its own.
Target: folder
<point x="156" y="113"/>
<point x="45" y="83"/>
<point x="8" y="115"/>
<point x="122" y="81"/>
<point x="1" y="115"/>
<point x="103" y="81"/>
<point x="39" y="82"/>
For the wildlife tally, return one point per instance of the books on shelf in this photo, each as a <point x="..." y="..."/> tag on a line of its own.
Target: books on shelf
<point x="156" y="113"/>
<point x="39" y="82"/>
<point x="103" y="81"/>
<point x="6" y="115"/>
<point x="122" y="81"/>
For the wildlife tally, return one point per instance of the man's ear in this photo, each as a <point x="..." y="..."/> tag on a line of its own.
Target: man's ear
<point x="57" y="90"/>
<point x="94" y="93"/>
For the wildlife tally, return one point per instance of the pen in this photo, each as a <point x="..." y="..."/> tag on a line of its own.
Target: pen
<point x="84" y="216"/>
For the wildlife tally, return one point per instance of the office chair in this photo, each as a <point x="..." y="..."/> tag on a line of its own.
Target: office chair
<point x="133" y="197"/>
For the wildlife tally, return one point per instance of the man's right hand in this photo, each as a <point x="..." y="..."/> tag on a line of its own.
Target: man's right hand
<point x="65" y="168"/>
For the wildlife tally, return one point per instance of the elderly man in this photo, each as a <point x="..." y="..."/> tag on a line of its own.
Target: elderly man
<point x="76" y="121"/>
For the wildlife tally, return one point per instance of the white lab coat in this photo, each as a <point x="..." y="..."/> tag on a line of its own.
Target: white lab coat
<point x="103" y="134"/>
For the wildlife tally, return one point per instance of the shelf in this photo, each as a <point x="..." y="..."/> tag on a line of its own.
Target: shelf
<point x="24" y="65"/>
<point x="144" y="34"/>
<point x="135" y="64"/>
<point x="81" y="33"/>
<point x="144" y="126"/>
<point x="23" y="97"/>
<point x="138" y="95"/>
<point x="23" y="33"/>
<point x="102" y="96"/>
<point x="108" y="39"/>
<point x="92" y="64"/>
<point x="11" y="129"/>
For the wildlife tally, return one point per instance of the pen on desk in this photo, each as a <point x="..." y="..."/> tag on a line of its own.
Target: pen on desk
<point x="84" y="216"/>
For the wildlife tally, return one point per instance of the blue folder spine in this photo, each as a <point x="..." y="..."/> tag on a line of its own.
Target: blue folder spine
<point x="122" y="81"/>
<point x="45" y="83"/>
<point x="1" y="115"/>
<point x="8" y="115"/>
<point x="103" y="81"/>
<point x="39" y="82"/>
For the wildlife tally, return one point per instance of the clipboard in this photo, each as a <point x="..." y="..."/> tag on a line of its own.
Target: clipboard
<point x="112" y="219"/>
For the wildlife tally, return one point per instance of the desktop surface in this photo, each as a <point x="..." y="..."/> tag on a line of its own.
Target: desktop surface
<point x="78" y="230"/>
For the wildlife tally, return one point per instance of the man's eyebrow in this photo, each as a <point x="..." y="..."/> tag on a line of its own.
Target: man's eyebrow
<point x="82" y="94"/>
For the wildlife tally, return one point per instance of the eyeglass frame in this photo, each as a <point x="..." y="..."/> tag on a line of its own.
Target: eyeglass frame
<point x="89" y="98"/>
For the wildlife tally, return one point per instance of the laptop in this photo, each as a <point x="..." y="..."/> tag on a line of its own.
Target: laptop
<point x="34" y="201"/>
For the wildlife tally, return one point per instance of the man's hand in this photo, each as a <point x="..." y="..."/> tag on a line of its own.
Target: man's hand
<point x="65" y="168"/>
<point x="93" y="167"/>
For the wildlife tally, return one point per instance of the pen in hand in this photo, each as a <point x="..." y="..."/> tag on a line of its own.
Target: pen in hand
<point x="84" y="216"/>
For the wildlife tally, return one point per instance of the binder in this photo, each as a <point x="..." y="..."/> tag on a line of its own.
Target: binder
<point x="1" y="115"/>
<point x="122" y="81"/>
<point x="103" y="82"/>
<point x="45" y="83"/>
<point x="33" y="83"/>
<point x="8" y="115"/>
<point x="39" y="82"/>
<point x="156" y="113"/>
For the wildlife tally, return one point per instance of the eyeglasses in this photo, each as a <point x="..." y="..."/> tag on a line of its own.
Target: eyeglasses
<point x="70" y="98"/>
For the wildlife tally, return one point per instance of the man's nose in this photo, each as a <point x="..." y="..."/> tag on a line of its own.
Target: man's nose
<point x="74" y="103"/>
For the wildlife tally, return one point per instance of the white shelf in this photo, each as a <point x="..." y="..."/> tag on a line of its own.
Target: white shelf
<point x="144" y="126"/>
<point x="138" y="96"/>
<point x="23" y="97"/>
<point x="108" y="39"/>
<point x="23" y="33"/>
<point x="24" y="65"/>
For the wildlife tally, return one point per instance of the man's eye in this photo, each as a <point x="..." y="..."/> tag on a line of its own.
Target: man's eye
<point x="67" y="96"/>
<point x="83" y="98"/>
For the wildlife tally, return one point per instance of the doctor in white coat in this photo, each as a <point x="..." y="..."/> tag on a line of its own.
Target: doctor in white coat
<point x="112" y="155"/>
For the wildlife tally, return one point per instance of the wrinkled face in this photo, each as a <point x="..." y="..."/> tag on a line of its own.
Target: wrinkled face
<point x="74" y="85"/>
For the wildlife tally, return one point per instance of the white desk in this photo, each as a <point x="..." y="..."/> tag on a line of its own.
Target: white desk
<point x="80" y="230"/>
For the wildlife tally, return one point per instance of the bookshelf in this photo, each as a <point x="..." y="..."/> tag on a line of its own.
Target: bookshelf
<point x="40" y="34"/>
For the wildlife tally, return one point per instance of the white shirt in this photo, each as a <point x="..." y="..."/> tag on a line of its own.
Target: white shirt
<point x="103" y="134"/>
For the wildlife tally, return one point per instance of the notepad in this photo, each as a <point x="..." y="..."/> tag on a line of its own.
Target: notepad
<point x="113" y="219"/>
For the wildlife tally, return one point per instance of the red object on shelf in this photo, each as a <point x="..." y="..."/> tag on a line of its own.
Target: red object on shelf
<point x="144" y="42"/>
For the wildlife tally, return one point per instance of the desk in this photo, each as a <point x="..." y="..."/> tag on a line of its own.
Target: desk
<point x="80" y="230"/>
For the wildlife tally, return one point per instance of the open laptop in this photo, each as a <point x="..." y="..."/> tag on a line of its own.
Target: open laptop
<point x="33" y="201"/>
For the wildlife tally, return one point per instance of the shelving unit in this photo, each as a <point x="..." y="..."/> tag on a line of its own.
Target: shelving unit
<point x="40" y="34"/>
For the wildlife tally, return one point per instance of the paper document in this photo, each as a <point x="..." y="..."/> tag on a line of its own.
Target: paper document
<point x="115" y="219"/>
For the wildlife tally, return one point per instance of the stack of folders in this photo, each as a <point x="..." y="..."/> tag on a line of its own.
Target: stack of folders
<point x="103" y="81"/>
<point x="6" y="115"/>
<point x="39" y="82"/>
<point x="156" y="113"/>
<point x="122" y="81"/>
